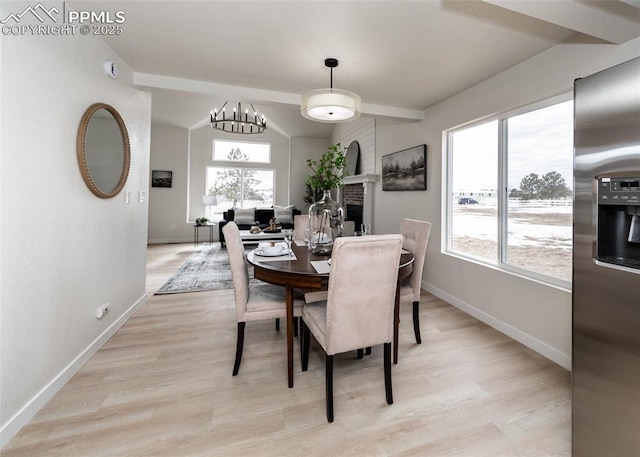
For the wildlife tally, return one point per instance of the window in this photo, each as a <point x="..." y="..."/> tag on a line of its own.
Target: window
<point x="233" y="151"/>
<point x="510" y="192"/>
<point x="240" y="185"/>
<point x="474" y="230"/>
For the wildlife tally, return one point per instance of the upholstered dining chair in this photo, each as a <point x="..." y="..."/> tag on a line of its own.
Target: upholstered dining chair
<point x="300" y="224"/>
<point x="415" y="236"/>
<point x="261" y="302"/>
<point x="358" y="311"/>
<point x="348" y="228"/>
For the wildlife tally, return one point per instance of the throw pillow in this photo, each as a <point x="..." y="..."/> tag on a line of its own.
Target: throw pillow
<point x="244" y="216"/>
<point x="283" y="214"/>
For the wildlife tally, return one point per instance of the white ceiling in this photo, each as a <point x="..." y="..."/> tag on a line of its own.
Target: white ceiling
<point x="399" y="56"/>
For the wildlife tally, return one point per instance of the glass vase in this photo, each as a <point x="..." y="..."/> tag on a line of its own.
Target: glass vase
<point x="325" y="223"/>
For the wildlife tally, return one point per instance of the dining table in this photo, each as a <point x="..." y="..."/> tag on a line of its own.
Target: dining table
<point x="298" y="272"/>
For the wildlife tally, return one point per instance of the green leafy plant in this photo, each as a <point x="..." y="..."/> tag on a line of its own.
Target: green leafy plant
<point x="202" y="220"/>
<point x="328" y="172"/>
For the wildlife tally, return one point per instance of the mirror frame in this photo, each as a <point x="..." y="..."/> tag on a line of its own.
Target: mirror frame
<point x="81" y="151"/>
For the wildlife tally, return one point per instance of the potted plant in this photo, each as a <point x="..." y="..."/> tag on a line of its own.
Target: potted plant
<point x="328" y="172"/>
<point x="326" y="215"/>
<point x="202" y="221"/>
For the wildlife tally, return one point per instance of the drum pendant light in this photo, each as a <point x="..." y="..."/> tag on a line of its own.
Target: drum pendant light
<point x="330" y="105"/>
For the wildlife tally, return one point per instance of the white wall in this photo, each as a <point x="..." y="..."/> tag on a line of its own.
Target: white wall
<point x="535" y="314"/>
<point x="188" y="152"/>
<point x="302" y="149"/>
<point x="362" y="130"/>
<point x="168" y="221"/>
<point x="64" y="251"/>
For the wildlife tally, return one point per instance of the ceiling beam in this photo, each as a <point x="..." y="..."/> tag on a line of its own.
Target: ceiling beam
<point x="579" y="16"/>
<point x="250" y="94"/>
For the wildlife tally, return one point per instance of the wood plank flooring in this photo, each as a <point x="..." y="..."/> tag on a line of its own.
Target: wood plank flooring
<point x="162" y="386"/>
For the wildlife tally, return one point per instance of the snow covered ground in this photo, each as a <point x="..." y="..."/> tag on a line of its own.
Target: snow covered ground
<point x="547" y="226"/>
<point x="539" y="237"/>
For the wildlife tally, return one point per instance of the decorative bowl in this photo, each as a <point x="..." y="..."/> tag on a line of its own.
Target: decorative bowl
<point x="272" y="248"/>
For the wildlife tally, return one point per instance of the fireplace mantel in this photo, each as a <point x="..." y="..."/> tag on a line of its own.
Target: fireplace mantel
<point x="360" y="179"/>
<point x="367" y="181"/>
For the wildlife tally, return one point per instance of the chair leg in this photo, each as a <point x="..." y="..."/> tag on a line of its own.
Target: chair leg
<point x="239" y="346"/>
<point x="416" y="321"/>
<point x="368" y="350"/>
<point x="301" y="342"/>
<point x="387" y="373"/>
<point x="305" y="346"/>
<point x="360" y="353"/>
<point x="295" y="325"/>
<point x="329" y="381"/>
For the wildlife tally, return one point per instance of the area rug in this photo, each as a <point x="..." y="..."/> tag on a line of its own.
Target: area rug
<point x="207" y="269"/>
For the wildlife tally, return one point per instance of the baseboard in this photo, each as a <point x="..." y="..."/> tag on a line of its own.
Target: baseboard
<point x="172" y="240"/>
<point x="22" y="417"/>
<point x="531" y="342"/>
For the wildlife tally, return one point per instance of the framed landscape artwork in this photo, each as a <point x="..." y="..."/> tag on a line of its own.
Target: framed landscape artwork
<point x="406" y="169"/>
<point x="161" y="178"/>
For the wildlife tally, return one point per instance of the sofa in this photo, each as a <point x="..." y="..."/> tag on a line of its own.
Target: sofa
<point x="246" y="218"/>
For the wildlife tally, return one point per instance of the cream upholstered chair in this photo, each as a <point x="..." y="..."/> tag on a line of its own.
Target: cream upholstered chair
<point x="348" y="228"/>
<point x="300" y="224"/>
<point x="415" y="236"/>
<point x="261" y="302"/>
<point x="358" y="311"/>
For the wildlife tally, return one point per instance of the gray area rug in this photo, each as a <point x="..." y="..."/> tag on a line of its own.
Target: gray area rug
<point x="207" y="269"/>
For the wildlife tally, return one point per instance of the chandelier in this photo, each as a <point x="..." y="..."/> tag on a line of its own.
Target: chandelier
<point x="330" y="105"/>
<point x="238" y="122"/>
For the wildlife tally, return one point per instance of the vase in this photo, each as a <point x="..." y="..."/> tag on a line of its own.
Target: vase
<point x="325" y="223"/>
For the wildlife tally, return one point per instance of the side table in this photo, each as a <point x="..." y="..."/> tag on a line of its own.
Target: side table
<point x="195" y="232"/>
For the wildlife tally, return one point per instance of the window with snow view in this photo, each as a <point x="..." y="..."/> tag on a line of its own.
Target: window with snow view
<point x="510" y="192"/>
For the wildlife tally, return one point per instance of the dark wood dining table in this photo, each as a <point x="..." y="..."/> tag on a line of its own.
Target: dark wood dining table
<point x="299" y="273"/>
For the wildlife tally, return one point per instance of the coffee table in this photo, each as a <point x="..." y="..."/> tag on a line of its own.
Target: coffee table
<point x="248" y="237"/>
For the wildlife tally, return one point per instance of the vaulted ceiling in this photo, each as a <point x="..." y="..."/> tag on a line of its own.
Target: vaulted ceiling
<point x="399" y="56"/>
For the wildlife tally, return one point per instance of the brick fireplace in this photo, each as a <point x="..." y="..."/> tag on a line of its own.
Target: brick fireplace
<point x="357" y="199"/>
<point x="353" y="194"/>
<point x="352" y="202"/>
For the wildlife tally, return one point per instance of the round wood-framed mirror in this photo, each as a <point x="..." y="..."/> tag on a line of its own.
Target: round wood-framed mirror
<point x="103" y="150"/>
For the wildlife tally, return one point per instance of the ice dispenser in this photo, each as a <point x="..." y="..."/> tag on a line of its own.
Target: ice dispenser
<point x="618" y="230"/>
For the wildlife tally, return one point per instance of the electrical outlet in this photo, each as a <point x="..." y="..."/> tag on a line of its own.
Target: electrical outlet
<point x="102" y="310"/>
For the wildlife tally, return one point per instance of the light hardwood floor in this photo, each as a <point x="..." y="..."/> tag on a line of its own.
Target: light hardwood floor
<point x="162" y="386"/>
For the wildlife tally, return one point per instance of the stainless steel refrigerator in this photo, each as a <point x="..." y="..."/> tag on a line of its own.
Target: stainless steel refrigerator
<point x="606" y="264"/>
